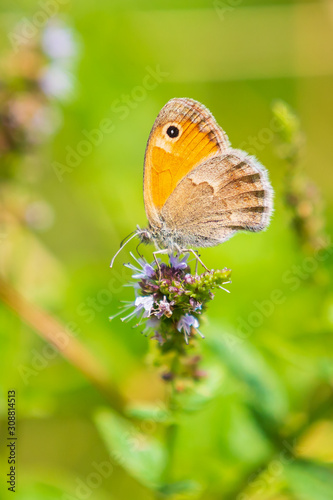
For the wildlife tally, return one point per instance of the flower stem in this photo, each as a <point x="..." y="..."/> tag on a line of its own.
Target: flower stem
<point x="170" y="441"/>
<point x="54" y="332"/>
<point x="172" y="428"/>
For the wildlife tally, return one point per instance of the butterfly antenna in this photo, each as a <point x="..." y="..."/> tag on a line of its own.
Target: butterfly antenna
<point x="122" y="242"/>
<point x="123" y="245"/>
<point x="137" y="250"/>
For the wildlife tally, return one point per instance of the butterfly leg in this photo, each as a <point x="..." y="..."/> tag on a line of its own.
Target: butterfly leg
<point x="190" y="250"/>
<point x="196" y="263"/>
<point x="164" y="251"/>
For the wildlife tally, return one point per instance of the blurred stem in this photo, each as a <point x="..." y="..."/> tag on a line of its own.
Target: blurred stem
<point x="54" y="332"/>
<point x="170" y="441"/>
<point x="172" y="428"/>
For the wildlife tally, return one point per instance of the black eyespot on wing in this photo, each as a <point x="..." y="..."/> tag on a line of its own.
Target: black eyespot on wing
<point x="173" y="132"/>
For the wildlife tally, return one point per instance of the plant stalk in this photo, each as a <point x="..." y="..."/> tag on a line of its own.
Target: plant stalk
<point x="54" y="332"/>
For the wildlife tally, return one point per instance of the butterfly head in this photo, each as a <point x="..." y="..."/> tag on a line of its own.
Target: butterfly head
<point x="161" y="237"/>
<point x="151" y="235"/>
<point x="145" y="235"/>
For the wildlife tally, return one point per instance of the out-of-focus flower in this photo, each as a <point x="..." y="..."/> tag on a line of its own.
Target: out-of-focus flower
<point x="39" y="215"/>
<point x="34" y="75"/>
<point x="59" y="41"/>
<point x="46" y="121"/>
<point x="59" y="44"/>
<point x="22" y="110"/>
<point x="152" y="323"/>
<point x="30" y="118"/>
<point x="186" y="323"/>
<point x="56" y="81"/>
<point x="301" y="195"/>
<point x="157" y="336"/>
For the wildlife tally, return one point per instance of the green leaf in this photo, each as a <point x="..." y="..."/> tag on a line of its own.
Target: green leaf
<point x="181" y="487"/>
<point x="142" y="456"/>
<point x="310" y="481"/>
<point x="202" y="393"/>
<point x="30" y="487"/>
<point x="39" y="490"/>
<point x="149" y="412"/>
<point x="265" y="391"/>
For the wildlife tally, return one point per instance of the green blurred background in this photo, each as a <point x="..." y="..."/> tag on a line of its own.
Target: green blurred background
<point x="270" y="379"/>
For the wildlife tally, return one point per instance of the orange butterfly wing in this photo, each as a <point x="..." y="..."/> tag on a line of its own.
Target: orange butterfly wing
<point x="184" y="135"/>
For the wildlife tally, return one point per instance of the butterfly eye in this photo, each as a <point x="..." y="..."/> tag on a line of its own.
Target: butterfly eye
<point x="173" y="131"/>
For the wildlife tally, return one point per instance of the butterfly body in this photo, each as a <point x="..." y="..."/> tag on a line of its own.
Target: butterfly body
<point x="198" y="190"/>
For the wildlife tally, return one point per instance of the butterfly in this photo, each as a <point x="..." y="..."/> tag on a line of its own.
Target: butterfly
<point x="198" y="190"/>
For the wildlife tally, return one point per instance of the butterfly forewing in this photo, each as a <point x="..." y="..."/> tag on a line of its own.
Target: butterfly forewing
<point x="184" y="135"/>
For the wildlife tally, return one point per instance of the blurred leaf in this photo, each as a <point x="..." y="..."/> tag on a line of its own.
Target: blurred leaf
<point x="34" y="489"/>
<point x="181" y="487"/>
<point x="202" y="393"/>
<point x="244" y="361"/>
<point x="142" y="457"/>
<point x="310" y="481"/>
<point x="149" y="412"/>
<point x="39" y="491"/>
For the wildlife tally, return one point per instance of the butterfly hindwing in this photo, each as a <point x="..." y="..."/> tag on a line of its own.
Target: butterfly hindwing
<point x="225" y="194"/>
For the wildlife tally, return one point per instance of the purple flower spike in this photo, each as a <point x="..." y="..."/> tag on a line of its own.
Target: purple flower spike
<point x="196" y="306"/>
<point x="152" y="322"/>
<point x="164" y="308"/>
<point x="147" y="271"/>
<point x="178" y="263"/>
<point x="185" y="323"/>
<point x="169" y="303"/>
<point x="157" y="336"/>
<point x="141" y="303"/>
